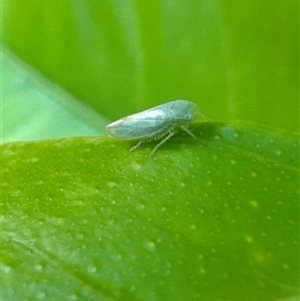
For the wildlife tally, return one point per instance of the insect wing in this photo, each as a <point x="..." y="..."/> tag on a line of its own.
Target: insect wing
<point x="145" y="124"/>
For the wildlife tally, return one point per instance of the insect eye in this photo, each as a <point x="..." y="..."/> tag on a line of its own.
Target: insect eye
<point x="188" y="117"/>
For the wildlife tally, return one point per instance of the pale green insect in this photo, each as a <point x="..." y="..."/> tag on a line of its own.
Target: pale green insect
<point x="155" y="123"/>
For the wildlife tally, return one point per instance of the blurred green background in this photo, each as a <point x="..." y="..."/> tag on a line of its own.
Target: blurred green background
<point x="236" y="60"/>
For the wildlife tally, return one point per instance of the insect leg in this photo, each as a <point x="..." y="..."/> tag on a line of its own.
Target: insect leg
<point x="161" y="142"/>
<point x="189" y="132"/>
<point x="136" y="146"/>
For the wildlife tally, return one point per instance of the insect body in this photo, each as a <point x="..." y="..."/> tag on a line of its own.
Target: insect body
<point x="157" y="122"/>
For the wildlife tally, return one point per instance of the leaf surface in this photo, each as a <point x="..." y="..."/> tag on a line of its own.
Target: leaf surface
<point x="84" y="219"/>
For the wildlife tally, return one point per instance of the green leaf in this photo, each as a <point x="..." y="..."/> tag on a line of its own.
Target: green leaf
<point x="235" y="59"/>
<point x="84" y="219"/>
<point x="35" y="108"/>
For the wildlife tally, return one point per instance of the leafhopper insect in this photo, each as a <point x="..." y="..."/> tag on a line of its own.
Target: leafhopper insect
<point x="155" y="123"/>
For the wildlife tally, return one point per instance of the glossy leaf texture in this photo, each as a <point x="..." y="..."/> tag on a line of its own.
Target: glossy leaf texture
<point x="84" y="219"/>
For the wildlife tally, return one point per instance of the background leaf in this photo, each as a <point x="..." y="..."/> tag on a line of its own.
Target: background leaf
<point x="236" y="60"/>
<point x="37" y="109"/>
